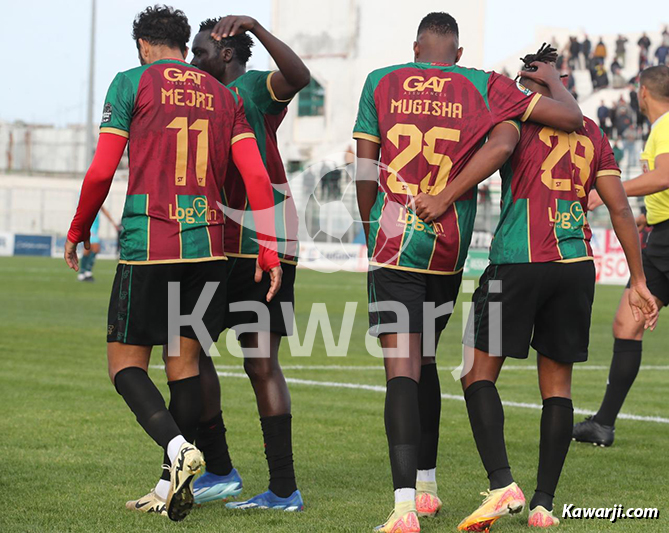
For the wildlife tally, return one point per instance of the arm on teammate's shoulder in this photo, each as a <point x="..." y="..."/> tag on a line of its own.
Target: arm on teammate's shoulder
<point x="561" y="110"/>
<point x="366" y="178"/>
<point x="487" y="160"/>
<point x="656" y="180"/>
<point x="641" y="300"/>
<point x="292" y="76"/>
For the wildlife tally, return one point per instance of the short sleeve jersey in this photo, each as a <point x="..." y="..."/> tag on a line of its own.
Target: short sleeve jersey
<point x="657" y="205"/>
<point x="180" y="124"/>
<point x="265" y="113"/>
<point x="545" y="186"/>
<point x="429" y="120"/>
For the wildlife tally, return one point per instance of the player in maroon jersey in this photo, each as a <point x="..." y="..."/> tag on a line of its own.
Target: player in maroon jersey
<point x="222" y="48"/>
<point x="425" y="120"/>
<point x="182" y="127"/>
<point x="542" y="276"/>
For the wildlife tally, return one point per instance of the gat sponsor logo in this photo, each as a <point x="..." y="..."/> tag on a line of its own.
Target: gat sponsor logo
<point x="420" y="84"/>
<point x="198" y="212"/>
<point x="410" y="219"/>
<point x="176" y="74"/>
<point x="572" y="218"/>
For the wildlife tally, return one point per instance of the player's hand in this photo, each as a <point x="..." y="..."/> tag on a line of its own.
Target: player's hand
<point x="233" y="25"/>
<point x="545" y="73"/>
<point x="428" y="207"/>
<point x="275" y="275"/>
<point x="71" y="257"/>
<point x="641" y="222"/>
<point x="594" y="200"/>
<point x="643" y="303"/>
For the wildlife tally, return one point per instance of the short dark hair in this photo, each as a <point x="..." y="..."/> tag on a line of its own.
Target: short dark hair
<point x="241" y="43"/>
<point x="656" y="80"/>
<point x="439" y="22"/>
<point x="162" y="25"/>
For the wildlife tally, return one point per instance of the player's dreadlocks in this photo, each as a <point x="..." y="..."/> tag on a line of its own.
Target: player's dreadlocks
<point x="162" y="25"/>
<point x="240" y="44"/>
<point x="546" y="54"/>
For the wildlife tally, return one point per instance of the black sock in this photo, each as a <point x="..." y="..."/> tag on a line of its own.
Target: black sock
<point x="557" y="421"/>
<point x="212" y="443"/>
<point x="429" y="403"/>
<point x="277" y="433"/>
<point x="146" y="402"/>
<point x="402" y="417"/>
<point x="486" y="416"/>
<point x="185" y="407"/>
<point x="624" y="368"/>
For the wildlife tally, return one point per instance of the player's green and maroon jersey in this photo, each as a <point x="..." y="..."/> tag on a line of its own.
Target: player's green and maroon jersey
<point x="545" y="186"/>
<point x="264" y="112"/>
<point x="180" y="123"/>
<point x="429" y="120"/>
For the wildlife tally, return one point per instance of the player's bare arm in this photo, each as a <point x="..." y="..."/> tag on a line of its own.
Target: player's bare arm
<point x="641" y="300"/>
<point x="94" y="191"/>
<point x="247" y="159"/>
<point x="649" y="183"/>
<point x="366" y="178"/>
<point x="492" y="155"/>
<point x="292" y="76"/>
<point x="560" y="111"/>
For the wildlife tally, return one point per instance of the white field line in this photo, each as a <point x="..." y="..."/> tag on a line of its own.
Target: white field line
<point x="378" y="388"/>
<point x="459" y="398"/>
<point x="379" y="367"/>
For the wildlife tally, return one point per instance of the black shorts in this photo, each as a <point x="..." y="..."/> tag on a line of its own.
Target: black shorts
<point x="412" y="290"/>
<point x="242" y="287"/>
<point x="139" y="301"/>
<point x="544" y="305"/>
<point x="655" y="258"/>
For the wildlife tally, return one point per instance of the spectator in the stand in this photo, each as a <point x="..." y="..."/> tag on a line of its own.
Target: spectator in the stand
<point x="644" y="42"/>
<point x="630" y="137"/>
<point x="586" y="50"/>
<point x="574" y="53"/>
<point x="613" y="111"/>
<point x="616" y="73"/>
<point x="618" y="152"/>
<point x="603" y="113"/>
<point x="643" y="58"/>
<point x="600" y="51"/>
<point x="621" y="51"/>
<point x="634" y="101"/>
<point x="600" y="78"/>
<point x="661" y="54"/>
<point x="623" y="118"/>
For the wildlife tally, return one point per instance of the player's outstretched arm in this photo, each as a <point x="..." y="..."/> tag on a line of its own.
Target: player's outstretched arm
<point x="649" y="183"/>
<point x="247" y="159"/>
<point x="561" y="110"/>
<point x="293" y="74"/>
<point x="487" y="160"/>
<point x="94" y="191"/>
<point x="366" y="179"/>
<point x="641" y="300"/>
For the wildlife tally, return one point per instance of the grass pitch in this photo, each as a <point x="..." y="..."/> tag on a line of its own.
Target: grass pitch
<point x="72" y="454"/>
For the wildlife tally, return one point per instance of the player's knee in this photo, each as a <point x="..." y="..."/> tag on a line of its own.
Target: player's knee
<point x="625" y="327"/>
<point x="261" y="369"/>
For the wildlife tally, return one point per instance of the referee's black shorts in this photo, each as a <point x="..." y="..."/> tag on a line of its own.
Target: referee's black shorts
<point x="655" y="258"/>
